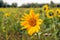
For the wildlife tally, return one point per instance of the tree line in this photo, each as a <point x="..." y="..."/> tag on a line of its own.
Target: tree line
<point x="2" y="4"/>
<point x="34" y="5"/>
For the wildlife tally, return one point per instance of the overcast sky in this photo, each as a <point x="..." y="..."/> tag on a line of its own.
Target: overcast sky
<point x="20" y="2"/>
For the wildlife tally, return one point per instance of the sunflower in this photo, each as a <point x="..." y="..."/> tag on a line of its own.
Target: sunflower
<point x="50" y="14"/>
<point x="31" y="22"/>
<point x="7" y="14"/>
<point x="58" y="12"/>
<point x="45" y="8"/>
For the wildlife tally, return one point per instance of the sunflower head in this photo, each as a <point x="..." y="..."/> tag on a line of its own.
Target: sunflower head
<point x="31" y="22"/>
<point x="50" y="14"/>
<point x="45" y="8"/>
<point x="7" y="15"/>
<point x="58" y="12"/>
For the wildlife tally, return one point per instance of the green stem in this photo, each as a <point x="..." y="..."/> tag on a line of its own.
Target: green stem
<point x="37" y="36"/>
<point x="6" y="36"/>
<point x="54" y="29"/>
<point x="20" y="34"/>
<point x="54" y="24"/>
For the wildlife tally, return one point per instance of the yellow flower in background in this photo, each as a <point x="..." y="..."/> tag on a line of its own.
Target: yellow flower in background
<point x="45" y="8"/>
<point x="7" y="14"/>
<point x="31" y="22"/>
<point x="50" y="14"/>
<point x="58" y="12"/>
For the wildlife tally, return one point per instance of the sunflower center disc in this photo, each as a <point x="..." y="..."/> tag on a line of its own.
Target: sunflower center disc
<point x="59" y="14"/>
<point x="57" y="11"/>
<point x="32" y="22"/>
<point x="44" y="8"/>
<point x="51" y="13"/>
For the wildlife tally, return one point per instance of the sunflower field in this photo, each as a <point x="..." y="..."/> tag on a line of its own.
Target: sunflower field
<point x="30" y="23"/>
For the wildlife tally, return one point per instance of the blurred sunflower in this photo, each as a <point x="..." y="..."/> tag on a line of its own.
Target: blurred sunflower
<point x="7" y="14"/>
<point x="45" y="8"/>
<point x="50" y="14"/>
<point x="31" y="22"/>
<point x="58" y="12"/>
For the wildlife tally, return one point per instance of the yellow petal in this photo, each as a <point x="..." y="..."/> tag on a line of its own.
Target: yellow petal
<point x="26" y="27"/>
<point x="37" y="27"/>
<point x="37" y="30"/>
<point x="24" y="23"/>
<point x="32" y="13"/>
<point x="31" y="31"/>
<point x="39" y="21"/>
<point x="23" y="28"/>
<point x="37" y="16"/>
<point x="26" y="15"/>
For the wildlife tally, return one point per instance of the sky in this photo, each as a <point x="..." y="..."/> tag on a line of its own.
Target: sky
<point x="20" y="2"/>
